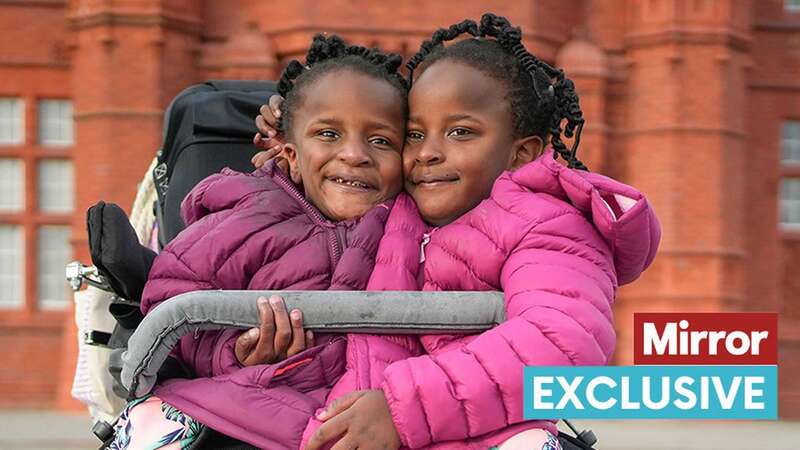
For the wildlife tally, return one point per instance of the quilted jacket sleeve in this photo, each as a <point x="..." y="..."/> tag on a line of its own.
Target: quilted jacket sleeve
<point x="559" y="287"/>
<point x="206" y="353"/>
<point x="188" y="264"/>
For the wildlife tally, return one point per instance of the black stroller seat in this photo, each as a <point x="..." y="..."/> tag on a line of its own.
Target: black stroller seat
<point x="207" y="127"/>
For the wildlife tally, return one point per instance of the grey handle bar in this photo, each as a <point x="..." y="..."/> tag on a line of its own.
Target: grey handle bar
<point x="375" y="312"/>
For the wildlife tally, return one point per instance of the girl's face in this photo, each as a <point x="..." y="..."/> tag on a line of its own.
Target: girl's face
<point x="460" y="138"/>
<point x="345" y="143"/>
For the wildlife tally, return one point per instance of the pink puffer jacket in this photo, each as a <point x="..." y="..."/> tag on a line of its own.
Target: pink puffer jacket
<point x="558" y="243"/>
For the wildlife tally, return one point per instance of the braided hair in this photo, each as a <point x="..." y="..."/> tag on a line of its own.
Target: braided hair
<point x="541" y="96"/>
<point x="326" y="55"/>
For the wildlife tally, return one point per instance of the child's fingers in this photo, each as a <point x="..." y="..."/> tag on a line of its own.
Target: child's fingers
<point x="283" y="327"/>
<point x="265" y="143"/>
<point x="328" y="431"/>
<point x="245" y="344"/>
<point x="269" y="119"/>
<point x="298" y="336"/>
<point x="347" y="442"/>
<point x="275" y="104"/>
<point x="310" y="339"/>
<point x="272" y="151"/>
<point x="340" y="404"/>
<point x="261" y="158"/>
<point x="264" y="127"/>
<point x="264" y="351"/>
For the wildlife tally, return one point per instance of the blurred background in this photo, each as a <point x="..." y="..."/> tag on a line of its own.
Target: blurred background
<point x="694" y="102"/>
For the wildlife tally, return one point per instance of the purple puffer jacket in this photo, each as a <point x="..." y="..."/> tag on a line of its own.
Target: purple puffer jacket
<point x="256" y="231"/>
<point x="558" y="242"/>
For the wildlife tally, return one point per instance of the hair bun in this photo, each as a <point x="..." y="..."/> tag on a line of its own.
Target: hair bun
<point x="323" y="48"/>
<point x="393" y="62"/>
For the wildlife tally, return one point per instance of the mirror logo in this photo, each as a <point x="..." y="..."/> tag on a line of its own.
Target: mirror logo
<point x="694" y="365"/>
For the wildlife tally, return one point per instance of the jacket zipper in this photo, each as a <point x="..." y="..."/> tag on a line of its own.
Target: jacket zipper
<point x="340" y="235"/>
<point x="334" y="244"/>
<point x="426" y="239"/>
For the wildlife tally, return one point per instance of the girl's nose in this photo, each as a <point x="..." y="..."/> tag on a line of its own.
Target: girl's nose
<point x="355" y="154"/>
<point x="429" y="154"/>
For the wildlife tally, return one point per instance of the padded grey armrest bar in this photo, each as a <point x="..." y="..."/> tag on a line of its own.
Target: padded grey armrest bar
<point x="377" y="312"/>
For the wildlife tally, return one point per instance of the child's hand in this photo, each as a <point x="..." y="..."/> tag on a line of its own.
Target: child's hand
<point x="362" y="419"/>
<point x="277" y="338"/>
<point x="267" y="137"/>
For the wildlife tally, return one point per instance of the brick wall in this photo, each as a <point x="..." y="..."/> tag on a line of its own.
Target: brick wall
<point x="684" y="99"/>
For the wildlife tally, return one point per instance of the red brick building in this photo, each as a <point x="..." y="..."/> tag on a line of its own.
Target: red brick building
<point x="696" y="102"/>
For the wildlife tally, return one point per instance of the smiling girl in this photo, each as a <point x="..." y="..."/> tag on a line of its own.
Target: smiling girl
<point x="317" y="228"/>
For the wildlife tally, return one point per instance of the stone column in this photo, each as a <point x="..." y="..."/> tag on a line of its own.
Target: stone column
<point x="131" y="58"/>
<point x="683" y="143"/>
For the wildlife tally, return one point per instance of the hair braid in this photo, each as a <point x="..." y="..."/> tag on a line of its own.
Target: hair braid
<point x="439" y="36"/>
<point x="286" y="82"/>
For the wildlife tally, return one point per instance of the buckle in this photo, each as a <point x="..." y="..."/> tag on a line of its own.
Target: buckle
<point x="97" y="338"/>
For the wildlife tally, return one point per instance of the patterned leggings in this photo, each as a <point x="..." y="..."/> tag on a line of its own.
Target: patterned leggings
<point x="150" y="424"/>
<point x="530" y="440"/>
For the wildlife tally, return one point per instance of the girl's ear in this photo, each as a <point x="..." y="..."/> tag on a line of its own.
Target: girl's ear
<point x="290" y="153"/>
<point x="525" y="150"/>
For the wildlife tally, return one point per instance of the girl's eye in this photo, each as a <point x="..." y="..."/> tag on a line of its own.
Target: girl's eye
<point x="414" y="136"/>
<point x="328" y="134"/>
<point x="382" y="142"/>
<point x="457" y="132"/>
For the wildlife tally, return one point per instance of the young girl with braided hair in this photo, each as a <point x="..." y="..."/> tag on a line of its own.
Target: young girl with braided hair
<point x="487" y="207"/>
<point x="315" y="228"/>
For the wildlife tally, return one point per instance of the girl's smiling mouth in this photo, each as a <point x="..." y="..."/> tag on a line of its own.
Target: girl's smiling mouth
<point x="433" y="180"/>
<point x="349" y="181"/>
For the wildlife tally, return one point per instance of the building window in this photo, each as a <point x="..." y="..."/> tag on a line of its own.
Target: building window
<point x="12" y="185"/>
<point x="790" y="203"/>
<point x="35" y="226"/>
<point x="791" y="5"/>
<point x="12" y="121"/>
<point x="791" y="141"/>
<point x="52" y="255"/>
<point x="12" y="260"/>
<point x="55" y="123"/>
<point x="55" y="186"/>
<point x="790" y="176"/>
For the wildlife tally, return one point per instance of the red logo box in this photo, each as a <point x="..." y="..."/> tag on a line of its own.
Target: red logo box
<point x="705" y="338"/>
